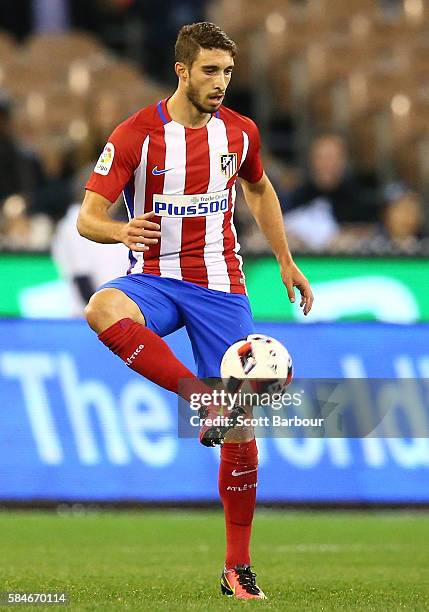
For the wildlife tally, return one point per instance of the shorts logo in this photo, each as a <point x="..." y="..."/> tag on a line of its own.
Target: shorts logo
<point x="105" y="160"/>
<point x="228" y="164"/>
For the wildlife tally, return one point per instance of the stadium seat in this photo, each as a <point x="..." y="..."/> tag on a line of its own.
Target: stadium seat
<point x="113" y="71"/>
<point x="415" y="13"/>
<point x="338" y="14"/>
<point x="63" y="47"/>
<point x="7" y="47"/>
<point x="22" y="75"/>
<point x="409" y="162"/>
<point x="240" y="16"/>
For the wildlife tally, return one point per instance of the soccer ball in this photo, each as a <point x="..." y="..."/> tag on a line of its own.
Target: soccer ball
<point x="263" y="362"/>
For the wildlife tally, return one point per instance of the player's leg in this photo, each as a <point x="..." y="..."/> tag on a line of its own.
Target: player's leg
<point x="214" y="321"/>
<point x="129" y="315"/>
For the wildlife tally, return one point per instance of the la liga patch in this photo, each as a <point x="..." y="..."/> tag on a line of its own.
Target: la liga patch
<point x="105" y="160"/>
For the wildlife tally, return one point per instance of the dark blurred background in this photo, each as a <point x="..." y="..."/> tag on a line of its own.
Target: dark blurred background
<point x="339" y="90"/>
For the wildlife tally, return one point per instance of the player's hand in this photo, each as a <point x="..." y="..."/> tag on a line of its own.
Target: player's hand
<point x="140" y="233"/>
<point x="293" y="277"/>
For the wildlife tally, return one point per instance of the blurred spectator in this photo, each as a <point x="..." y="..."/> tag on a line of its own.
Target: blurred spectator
<point x="402" y="215"/>
<point x="329" y="197"/>
<point x="20" y="169"/>
<point x="284" y="179"/>
<point x="400" y="228"/>
<point x="53" y="196"/>
<point x="19" y="231"/>
<point x="21" y="177"/>
<point x="11" y="167"/>
<point x="84" y="264"/>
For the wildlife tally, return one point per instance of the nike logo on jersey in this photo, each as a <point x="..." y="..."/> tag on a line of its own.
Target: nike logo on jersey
<point x="235" y="473"/>
<point x="156" y="172"/>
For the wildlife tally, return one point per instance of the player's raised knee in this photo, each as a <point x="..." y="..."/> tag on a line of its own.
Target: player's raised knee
<point x="98" y="310"/>
<point x="108" y="306"/>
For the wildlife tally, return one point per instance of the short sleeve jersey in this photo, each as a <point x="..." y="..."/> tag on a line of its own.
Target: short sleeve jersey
<point x="187" y="177"/>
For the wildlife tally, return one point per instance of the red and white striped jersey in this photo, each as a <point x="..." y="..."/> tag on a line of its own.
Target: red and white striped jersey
<point x="187" y="176"/>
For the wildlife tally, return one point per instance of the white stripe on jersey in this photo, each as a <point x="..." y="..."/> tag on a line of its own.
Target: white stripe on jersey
<point x="245" y="147"/>
<point x="140" y="181"/>
<point x="174" y="182"/>
<point x="139" y="196"/>
<point x="217" y="270"/>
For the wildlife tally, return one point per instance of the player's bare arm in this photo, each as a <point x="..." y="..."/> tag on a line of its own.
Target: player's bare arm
<point x="95" y="224"/>
<point x="264" y="205"/>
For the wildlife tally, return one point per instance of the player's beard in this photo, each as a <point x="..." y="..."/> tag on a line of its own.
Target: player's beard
<point x="193" y="97"/>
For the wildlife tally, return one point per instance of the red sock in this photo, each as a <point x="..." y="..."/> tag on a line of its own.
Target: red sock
<point x="146" y="353"/>
<point x="238" y="474"/>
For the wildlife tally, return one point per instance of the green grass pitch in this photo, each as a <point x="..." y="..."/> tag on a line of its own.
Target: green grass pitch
<point x="171" y="560"/>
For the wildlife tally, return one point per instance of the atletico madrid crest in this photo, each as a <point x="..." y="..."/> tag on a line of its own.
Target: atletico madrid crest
<point x="228" y="164"/>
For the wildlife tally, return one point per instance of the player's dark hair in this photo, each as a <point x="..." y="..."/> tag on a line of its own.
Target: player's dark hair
<point x="203" y="35"/>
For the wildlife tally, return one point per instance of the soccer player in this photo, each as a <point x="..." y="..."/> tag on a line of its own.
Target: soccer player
<point x="177" y="163"/>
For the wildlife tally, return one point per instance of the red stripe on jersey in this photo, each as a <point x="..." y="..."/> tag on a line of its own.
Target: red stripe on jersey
<point x="154" y="184"/>
<point x="235" y="145"/>
<point x="197" y="179"/>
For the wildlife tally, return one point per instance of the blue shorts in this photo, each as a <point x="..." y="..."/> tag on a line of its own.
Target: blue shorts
<point x="213" y="319"/>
